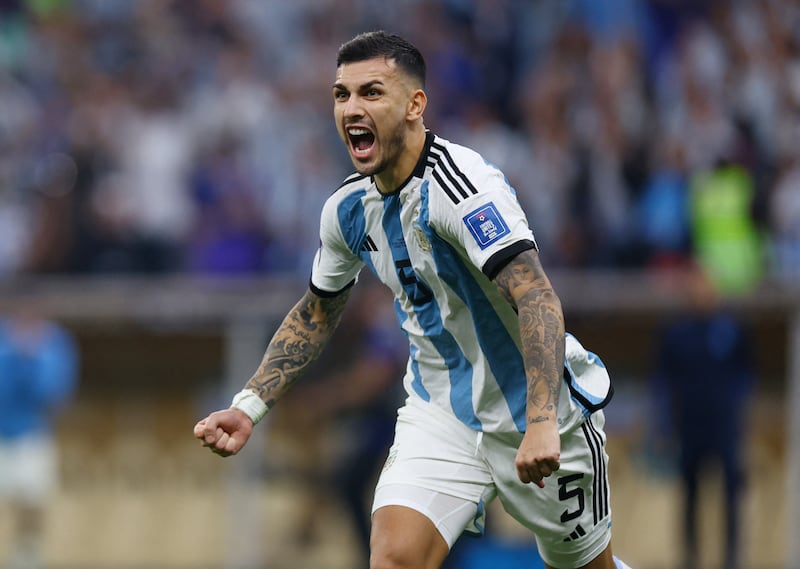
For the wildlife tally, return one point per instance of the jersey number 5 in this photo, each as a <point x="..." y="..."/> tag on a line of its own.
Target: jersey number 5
<point x="416" y="290"/>
<point x="565" y="494"/>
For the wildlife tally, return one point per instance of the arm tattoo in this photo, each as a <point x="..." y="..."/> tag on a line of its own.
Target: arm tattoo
<point x="296" y="344"/>
<point x="541" y="325"/>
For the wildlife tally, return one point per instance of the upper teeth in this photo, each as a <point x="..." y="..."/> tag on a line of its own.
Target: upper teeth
<point x="358" y="131"/>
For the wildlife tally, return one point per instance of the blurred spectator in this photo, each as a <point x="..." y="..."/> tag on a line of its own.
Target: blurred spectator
<point x="703" y="380"/>
<point x="725" y="238"/>
<point x="38" y="375"/>
<point x="53" y="238"/>
<point x="663" y="208"/>
<point x="227" y="236"/>
<point x="553" y="170"/>
<point x="784" y="212"/>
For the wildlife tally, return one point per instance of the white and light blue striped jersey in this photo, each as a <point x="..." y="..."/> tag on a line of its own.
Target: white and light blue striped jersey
<point x="437" y="242"/>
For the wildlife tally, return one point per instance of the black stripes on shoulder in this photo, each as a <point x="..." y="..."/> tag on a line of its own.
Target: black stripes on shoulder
<point x="451" y="179"/>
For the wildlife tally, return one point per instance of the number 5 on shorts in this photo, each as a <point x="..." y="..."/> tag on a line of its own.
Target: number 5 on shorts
<point x="565" y="494"/>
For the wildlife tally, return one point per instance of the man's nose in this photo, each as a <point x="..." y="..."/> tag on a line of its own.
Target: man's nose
<point x="353" y="107"/>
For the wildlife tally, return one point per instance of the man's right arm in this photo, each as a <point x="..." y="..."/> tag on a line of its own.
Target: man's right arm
<point x="297" y="343"/>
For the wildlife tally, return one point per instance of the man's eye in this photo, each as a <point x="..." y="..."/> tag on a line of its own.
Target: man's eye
<point x="340" y="96"/>
<point x="373" y="93"/>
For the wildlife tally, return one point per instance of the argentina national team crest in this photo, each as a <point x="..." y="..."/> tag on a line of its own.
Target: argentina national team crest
<point x="486" y="225"/>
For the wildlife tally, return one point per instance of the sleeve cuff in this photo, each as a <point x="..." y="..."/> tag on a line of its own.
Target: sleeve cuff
<point x="327" y="293"/>
<point x="500" y="259"/>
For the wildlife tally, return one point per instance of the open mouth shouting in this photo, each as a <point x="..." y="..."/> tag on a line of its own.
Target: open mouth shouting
<point x="362" y="141"/>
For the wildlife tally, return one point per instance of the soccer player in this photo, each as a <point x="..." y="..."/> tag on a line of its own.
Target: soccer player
<point x="39" y="374"/>
<point x="501" y="401"/>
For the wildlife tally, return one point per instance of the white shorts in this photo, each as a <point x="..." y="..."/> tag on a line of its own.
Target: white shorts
<point x="28" y="469"/>
<point x="448" y="472"/>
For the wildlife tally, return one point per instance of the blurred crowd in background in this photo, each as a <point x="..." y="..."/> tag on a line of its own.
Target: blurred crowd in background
<point x="196" y="136"/>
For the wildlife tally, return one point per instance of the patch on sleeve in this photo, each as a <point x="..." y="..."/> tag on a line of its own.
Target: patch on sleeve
<point x="486" y="225"/>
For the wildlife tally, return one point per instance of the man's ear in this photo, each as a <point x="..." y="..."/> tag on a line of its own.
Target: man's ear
<point x="416" y="105"/>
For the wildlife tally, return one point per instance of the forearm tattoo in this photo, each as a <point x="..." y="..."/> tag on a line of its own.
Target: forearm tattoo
<point x="296" y="344"/>
<point x="541" y="325"/>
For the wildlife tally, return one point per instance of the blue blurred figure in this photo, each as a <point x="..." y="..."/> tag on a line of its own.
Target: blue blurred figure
<point x="705" y="371"/>
<point x="38" y="375"/>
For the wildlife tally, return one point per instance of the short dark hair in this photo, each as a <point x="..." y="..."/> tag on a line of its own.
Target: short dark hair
<point x="379" y="43"/>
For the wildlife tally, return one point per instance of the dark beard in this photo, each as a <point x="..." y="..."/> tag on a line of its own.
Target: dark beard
<point x="394" y="148"/>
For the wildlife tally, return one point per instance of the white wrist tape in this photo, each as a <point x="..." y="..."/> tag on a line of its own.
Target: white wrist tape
<point x="250" y="404"/>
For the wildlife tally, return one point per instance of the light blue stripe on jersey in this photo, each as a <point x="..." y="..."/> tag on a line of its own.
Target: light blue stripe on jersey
<point x="430" y="319"/>
<point x="352" y="222"/>
<point x="354" y="225"/>
<point x="416" y="383"/>
<point x="494" y="339"/>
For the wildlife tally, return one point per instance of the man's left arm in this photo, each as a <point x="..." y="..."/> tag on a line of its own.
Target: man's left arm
<point x="525" y="285"/>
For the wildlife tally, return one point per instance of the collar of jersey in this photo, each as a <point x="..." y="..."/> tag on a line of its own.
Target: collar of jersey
<point x="419" y="169"/>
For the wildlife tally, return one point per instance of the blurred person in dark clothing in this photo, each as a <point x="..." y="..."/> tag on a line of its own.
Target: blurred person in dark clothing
<point x="38" y="375"/>
<point x="705" y="370"/>
<point x="53" y="216"/>
<point x="227" y="235"/>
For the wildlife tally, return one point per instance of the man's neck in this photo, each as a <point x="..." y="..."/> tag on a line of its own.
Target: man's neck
<point x="390" y="180"/>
